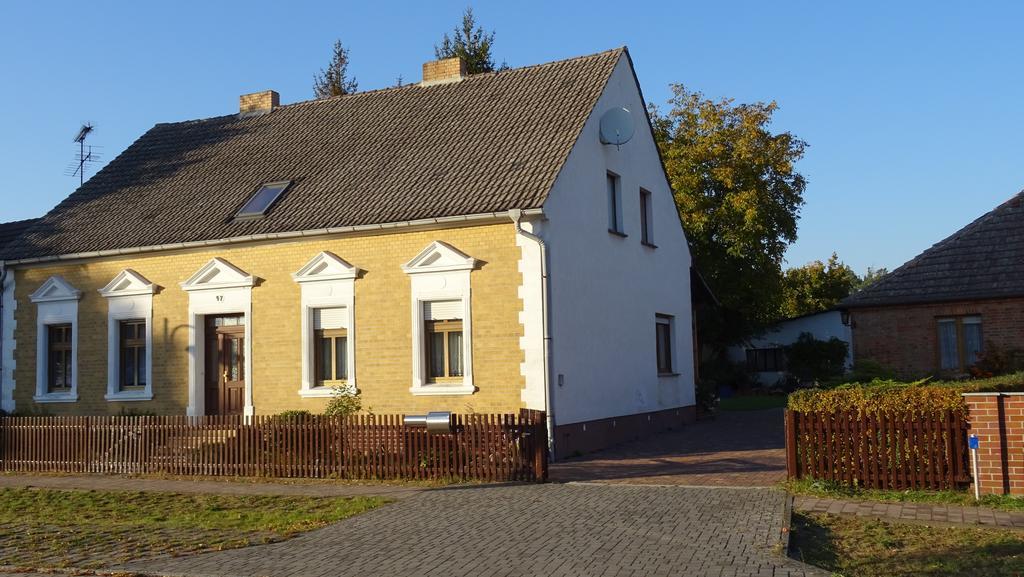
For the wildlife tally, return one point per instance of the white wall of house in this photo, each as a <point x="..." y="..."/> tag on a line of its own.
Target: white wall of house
<point x="606" y="289"/>
<point x="823" y="326"/>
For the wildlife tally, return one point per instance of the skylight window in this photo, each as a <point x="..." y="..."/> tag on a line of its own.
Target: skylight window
<point x="263" y="199"/>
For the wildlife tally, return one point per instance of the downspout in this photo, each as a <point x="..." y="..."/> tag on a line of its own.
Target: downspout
<point x="516" y="215"/>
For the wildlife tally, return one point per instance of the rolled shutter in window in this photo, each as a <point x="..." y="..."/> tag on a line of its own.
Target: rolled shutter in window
<point x="333" y="318"/>
<point x="442" y="310"/>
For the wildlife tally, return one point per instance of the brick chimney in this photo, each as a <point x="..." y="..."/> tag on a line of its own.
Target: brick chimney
<point x="258" y="102"/>
<point x="443" y="71"/>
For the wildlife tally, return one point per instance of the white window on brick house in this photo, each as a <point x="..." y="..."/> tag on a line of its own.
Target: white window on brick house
<point x="959" y="342"/>
<point x="129" y="299"/>
<point x="328" y="326"/>
<point x="56" y="341"/>
<point x="442" y="330"/>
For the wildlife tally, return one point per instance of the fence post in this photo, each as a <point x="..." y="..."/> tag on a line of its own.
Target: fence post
<point x="791" y="469"/>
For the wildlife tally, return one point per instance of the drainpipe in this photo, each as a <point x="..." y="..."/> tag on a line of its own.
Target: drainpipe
<point x="516" y="215"/>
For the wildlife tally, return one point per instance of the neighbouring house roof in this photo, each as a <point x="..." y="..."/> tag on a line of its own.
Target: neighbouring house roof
<point x="10" y="231"/>
<point x="985" y="259"/>
<point x="488" y="143"/>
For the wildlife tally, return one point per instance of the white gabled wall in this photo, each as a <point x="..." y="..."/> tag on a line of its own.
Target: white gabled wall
<point x="605" y="289"/>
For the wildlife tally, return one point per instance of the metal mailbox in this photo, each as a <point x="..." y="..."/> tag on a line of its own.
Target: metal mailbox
<point x="436" y="422"/>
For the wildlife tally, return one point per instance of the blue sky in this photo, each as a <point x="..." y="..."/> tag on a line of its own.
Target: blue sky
<point x="913" y="111"/>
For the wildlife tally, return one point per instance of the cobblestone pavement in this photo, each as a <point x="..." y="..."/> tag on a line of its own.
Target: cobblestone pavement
<point x="736" y="449"/>
<point x="225" y="487"/>
<point x="554" y="530"/>
<point x="913" y="512"/>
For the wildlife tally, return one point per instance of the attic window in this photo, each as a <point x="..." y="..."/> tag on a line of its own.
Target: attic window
<point x="263" y="199"/>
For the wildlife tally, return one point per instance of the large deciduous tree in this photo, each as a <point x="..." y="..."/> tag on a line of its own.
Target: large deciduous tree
<point x="816" y="286"/>
<point x="738" y="194"/>
<point x="334" y="80"/>
<point x="471" y="43"/>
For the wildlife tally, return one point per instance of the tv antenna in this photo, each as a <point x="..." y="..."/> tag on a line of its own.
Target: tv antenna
<point x="85" y="155"/>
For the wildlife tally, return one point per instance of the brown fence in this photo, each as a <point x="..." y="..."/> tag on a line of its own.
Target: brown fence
<point x="878" y="452"/>
<point x="485" y="447"/>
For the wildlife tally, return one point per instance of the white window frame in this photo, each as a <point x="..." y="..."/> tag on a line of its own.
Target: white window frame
<point x="129" y="296"/>
<point x="326" y="281"/>
<point x="440" y="272"/>
<point x="670" y="321"/>
<point x="56" y="303"/>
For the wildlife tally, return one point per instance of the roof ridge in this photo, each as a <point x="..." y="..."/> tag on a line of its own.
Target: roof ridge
<point x="409" y="86"/>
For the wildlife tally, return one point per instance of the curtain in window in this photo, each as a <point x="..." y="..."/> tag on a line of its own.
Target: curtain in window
<point x="436" y="354"/>
<point x="948" y="357"/>
<point x="972" y="339"/>
<point x="455" y="354"/>
<point x="341" y="357"/>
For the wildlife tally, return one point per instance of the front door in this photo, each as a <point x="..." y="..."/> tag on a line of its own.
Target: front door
<point x="225" y="364"/>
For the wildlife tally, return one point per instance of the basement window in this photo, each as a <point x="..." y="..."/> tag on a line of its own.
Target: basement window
<point x="264" y="198"/>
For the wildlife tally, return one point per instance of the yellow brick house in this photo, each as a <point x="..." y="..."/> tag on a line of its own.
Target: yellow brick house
<point x="473" y="243"/>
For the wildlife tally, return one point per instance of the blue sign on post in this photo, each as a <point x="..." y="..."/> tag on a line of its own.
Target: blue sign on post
<point x="972" y="442"/>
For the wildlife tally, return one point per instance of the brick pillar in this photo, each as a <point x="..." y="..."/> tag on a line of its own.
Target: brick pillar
<point x="998" y="421"/>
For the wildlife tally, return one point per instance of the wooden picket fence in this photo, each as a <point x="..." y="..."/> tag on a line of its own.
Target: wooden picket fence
<point x="487" y="447"/>
<point x="878" y="452"/>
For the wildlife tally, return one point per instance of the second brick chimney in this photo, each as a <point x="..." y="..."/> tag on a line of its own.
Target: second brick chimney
<point x="442" y="71"/>
<point x="258" y="102"/>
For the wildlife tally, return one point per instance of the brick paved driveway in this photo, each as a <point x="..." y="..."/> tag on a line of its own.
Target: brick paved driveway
<point x="525" y="530"/>
<point x="737" y="449"/>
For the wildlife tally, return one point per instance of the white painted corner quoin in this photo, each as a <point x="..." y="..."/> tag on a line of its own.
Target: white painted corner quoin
<point x="129" y="296"/>
<point x="217" y="288"/>
<point x="326" y="281"/>
<point x="440" y="272"/>
<point x="56" y="303"/>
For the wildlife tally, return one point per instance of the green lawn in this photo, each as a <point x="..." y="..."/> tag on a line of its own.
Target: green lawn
<point x="752" y="402"/>
<point x="54" y="528"/>
<point x="854" y="547"/>
<point x="833" y="490"/>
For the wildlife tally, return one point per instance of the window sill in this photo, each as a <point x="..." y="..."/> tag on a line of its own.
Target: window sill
<point x="667" y="375"/>
<point x="317" y="393"/>
<point x="56" y="398"/>
<point x="443" y="389"/>
<point x="649" y="244"/>
<point x="141" y="395"/>
<point x="617" y="233"/>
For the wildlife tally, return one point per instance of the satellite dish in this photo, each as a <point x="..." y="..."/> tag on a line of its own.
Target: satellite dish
<point x="616" y="126"/>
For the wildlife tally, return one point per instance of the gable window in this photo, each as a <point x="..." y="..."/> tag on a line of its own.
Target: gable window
<point x="646" y="236"/>
<point x="56" y="304"/>
<point x="769" y="360"/>
<point x="133" y="355"/>
<point x="960" y="342"/>
<point x="129" y="299"/>
<point x="442" y="331"/>
<point x="264" y="198"/>
<point x="614" y="205"/>
<point x="328" y="326"/>
<point x="330" y="339"/>
<point x="444" y="348"/>
<point x="58" y="358"/>
<point x="663" y="343"/>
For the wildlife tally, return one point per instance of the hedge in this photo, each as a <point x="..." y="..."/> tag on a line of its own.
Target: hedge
<point x="888" y="397"/>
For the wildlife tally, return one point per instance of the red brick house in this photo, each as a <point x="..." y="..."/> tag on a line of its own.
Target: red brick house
<point x="935" y="314"/>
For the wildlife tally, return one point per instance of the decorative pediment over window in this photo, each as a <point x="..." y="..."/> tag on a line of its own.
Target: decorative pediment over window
<point x="326" y="266"/>
<point x="128" y="283"/>
<point x="55" y="289"/>
<point x="439" y="257"/>
<point x="217" y="274"/>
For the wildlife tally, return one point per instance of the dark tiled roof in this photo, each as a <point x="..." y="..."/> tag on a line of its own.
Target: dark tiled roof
<point x="985" y="259"/>
<point x="9" y="231"/>
<point x="489" y="143"/>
